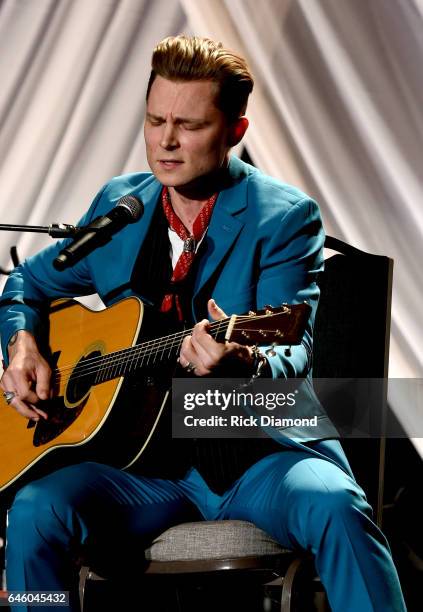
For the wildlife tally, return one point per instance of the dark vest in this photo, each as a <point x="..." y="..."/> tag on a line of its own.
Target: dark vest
<point x="220" y="461"/>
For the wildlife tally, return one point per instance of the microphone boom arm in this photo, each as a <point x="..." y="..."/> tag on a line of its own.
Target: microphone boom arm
<point x="55" y="230"/>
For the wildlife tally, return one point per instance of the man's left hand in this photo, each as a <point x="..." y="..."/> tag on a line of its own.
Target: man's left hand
<point x="202" y="355"/>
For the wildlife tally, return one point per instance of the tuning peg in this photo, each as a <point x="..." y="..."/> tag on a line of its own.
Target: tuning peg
<point x="270" y="351"/>
<point x="268" y="309"/>
<point x="252" y="313"/>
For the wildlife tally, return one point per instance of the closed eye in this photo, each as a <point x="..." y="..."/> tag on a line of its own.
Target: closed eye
<point x="155" y="121"/>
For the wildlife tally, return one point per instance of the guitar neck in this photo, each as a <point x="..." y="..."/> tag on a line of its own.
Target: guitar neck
<point x="283" y="325"/>
<point x="151" y="353"/>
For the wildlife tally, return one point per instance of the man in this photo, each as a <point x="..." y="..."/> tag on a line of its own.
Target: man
<point x="256" y="241"/>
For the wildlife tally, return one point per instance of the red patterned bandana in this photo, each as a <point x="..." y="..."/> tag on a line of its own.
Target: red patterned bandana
<point x="186" y="258"/>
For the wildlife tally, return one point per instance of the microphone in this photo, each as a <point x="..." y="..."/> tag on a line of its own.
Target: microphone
<point x="128" y="210"/>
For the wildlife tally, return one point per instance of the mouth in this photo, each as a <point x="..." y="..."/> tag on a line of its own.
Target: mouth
<point x="170" y="163"/>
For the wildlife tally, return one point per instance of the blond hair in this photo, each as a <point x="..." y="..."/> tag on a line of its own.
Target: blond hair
<point x="191" y="58"/>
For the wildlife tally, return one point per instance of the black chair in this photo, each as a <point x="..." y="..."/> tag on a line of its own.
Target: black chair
<point x="351" y="341"/>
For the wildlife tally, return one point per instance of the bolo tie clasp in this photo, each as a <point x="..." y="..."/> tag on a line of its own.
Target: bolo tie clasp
<point x="189" y="245"/>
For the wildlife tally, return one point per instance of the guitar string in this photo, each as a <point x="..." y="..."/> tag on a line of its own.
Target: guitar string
<point x="164" y="341"/>
<point x="172" y="339"/>
<point x="129" y="356"/>
<point x="115" y="363"/>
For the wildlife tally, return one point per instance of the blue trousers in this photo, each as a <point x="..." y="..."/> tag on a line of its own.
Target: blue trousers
<point x="305" y="498"/>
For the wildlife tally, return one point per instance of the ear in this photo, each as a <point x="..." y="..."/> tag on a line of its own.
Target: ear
<point x="237" y="130"/>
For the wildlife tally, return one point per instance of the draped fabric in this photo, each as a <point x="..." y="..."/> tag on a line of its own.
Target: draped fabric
<point x="72" y="102"/>
<point x="336" y="110"/>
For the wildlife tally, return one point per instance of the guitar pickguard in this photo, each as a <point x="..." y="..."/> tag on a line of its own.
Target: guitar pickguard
<point x="60" y="417"/>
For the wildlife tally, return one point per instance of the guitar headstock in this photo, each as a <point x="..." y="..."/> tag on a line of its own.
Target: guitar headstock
<point x="284" y="325"/>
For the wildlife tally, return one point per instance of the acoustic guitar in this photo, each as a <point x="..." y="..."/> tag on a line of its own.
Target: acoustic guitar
<point x="109" y="389"/>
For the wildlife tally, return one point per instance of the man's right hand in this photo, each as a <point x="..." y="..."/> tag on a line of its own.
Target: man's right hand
<point x="28" y="376"/>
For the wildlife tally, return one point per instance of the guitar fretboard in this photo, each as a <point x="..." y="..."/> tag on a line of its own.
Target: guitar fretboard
<point x="145" y="355"/>
<point x="284" y="325"/>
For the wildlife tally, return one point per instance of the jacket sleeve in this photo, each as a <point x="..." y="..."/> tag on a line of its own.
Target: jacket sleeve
<point x="291" y="260"/>
<point x="35" y="283"/>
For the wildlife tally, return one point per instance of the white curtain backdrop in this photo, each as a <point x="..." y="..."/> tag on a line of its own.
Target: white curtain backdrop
<point x="337" y="110"/>
<point x="72" y="102"/>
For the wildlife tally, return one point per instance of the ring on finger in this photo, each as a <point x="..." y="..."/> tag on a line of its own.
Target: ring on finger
<point x="8" y="396"/>
<point x="190" y="367"/>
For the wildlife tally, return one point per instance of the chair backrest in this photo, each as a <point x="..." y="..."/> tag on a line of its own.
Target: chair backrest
<point x="351" y="340"/>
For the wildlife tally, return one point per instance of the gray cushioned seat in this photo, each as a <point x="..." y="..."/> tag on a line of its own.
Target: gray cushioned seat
<point x="212" y="540"/>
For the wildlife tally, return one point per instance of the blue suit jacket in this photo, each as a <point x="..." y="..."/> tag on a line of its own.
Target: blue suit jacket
<point x="264" y="245"/>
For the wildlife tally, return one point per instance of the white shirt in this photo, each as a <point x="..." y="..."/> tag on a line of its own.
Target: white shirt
<point x="177" y="245"/>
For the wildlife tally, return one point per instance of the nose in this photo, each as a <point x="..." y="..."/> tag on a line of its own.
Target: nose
<point x="169" y="137"/>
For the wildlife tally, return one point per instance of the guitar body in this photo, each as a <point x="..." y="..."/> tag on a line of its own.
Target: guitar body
<point x="83" y="415"/>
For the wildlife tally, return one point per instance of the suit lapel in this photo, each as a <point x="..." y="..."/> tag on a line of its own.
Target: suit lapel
<point x="226" y="223"/>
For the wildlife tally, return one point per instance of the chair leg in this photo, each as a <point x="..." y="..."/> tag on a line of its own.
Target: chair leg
<point x="83" y="573"/>
<point x="288" y="584"/>
<point x="296" y="585"/>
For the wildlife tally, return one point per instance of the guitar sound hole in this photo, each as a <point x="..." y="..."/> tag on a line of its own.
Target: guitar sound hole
<point x="82" y="378"/>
